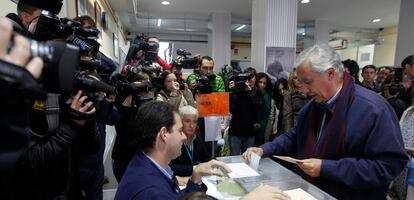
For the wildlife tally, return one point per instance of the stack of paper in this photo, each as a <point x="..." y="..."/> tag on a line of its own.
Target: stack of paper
<point x="241" y="170"/>
<point x="299" y="194"/>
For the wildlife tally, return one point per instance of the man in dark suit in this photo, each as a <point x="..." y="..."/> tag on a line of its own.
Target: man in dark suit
<point x="158" y="137"/>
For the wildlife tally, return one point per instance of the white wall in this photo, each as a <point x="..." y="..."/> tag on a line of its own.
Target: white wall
<point x="7" y="7"/>
<point x="385" y="52"/>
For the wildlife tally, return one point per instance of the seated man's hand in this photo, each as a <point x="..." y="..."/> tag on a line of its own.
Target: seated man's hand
<point x="263" y="192"/>
<point x="182" y="181"/>
<point x="207" y="169"/>
<point x="311" y="167"/>
<point x="256" y="150"/>
<point x="20" y="52"/>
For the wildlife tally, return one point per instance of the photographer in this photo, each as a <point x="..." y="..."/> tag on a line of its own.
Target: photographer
<point x="13" y="118"/>
<point x="392" y="92"/>
<point x="105" y="65"/>
<point x="133" y="90"/>
<point x="408" y="66"/>
<point x="155" y="41"/>
<point x="207" y="69"/>
<point x="28" y="12"/>
<point x="50" y="167"/>
<point x="173" y="94"/>
<point x="243" y="107"/>
<point x="62" y="125"/>
<point x="91" y="166"/>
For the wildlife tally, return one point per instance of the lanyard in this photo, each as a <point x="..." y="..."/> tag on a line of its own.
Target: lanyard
<point x="188" y="151"/>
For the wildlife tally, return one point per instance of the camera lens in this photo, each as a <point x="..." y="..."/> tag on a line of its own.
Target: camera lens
<point x="45" y="52"/>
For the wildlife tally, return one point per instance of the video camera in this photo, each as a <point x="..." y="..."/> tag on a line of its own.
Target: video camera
<point x="204" y="82"/>
<point x="150" y="50"/>
<point x="397" y="87"/>
<point x="240" y="80"/>
<point x="62" y="60"/>
<point x="125" y="87"/>
<point x="145" y="67"/>
<point x="184" y="62"/>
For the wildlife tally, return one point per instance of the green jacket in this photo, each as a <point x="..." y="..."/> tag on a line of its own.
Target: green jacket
<point x="218" y="83"/>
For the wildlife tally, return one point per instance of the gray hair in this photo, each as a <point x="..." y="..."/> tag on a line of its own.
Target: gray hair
<point x="188" y="110"/>
<point x="321" y="58"/>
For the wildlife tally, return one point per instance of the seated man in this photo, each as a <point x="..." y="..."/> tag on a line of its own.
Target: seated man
<point x="158" y="138"/>
<point x="193" y="150"/>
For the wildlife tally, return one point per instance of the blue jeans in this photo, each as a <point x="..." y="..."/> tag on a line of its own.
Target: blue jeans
<point x="119" y="167"/>
<point x="238" y="144"/>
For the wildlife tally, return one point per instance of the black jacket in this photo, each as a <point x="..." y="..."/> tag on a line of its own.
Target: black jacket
<point x="123" y="148"/>
<point x="183" y="165"/>
<point x="50" y="167"/>
<point x="243" y="107"/>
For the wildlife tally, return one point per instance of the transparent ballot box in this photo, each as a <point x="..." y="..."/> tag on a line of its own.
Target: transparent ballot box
<point x="271" y="173"/>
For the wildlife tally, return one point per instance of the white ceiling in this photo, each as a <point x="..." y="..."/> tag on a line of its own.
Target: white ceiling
<point x="191" y="16"/>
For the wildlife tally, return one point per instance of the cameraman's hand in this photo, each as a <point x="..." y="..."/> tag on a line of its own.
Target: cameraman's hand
<point x="20" y="52"/>
<point x="193" y="84"/>
<point x="179" y="59"/>
<point x="175" y="86"/>
<point x="231" y="84"/>
<point x="78" y="104"/>
<point x="248" y="88"/>
<point x="186" y="90"/>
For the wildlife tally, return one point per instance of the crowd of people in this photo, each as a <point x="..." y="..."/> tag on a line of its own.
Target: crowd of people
<point x="349" y="135"/>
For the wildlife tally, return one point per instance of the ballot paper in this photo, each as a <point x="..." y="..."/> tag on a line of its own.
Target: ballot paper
<point x="288" y="159"/>
<point x="254" y="161"/>
<point x="299" y="194"/>
<point x="212" y="128"/>
<point x="241" y="170"/>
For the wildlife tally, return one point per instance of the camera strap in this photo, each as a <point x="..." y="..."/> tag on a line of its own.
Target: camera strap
<point x="52" y="111"/>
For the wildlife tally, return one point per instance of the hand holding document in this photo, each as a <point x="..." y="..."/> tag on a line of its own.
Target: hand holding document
<point x="288" y="159"/>
<point x="254" y="161"/>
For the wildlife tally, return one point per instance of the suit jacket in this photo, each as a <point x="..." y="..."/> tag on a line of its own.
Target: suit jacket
<point x="374" y="151"/>
<point x="144" y="180"/>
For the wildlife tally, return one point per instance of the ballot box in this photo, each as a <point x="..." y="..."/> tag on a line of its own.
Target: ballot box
<point x="269" y="173"/>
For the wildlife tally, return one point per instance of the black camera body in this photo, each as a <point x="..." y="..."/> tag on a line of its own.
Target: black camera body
<point x="62" y="60"/>
<point x="86" y="40"/>
<point x="185" y="62"/>
<point x="204" y="82"/>
<point x="125" y="87"/>
<point x="152" y="71"/>
<point x="397" y="87"/>
<point x="49" y="27"/>
<point x="240" y="80"/>
<point x="150" y="50"/>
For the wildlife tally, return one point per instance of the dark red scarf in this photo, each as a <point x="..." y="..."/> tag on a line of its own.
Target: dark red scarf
<point x="331" y="143"/>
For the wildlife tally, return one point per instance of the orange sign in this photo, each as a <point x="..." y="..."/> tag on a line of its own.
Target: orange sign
<point x="213" y="104"/>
